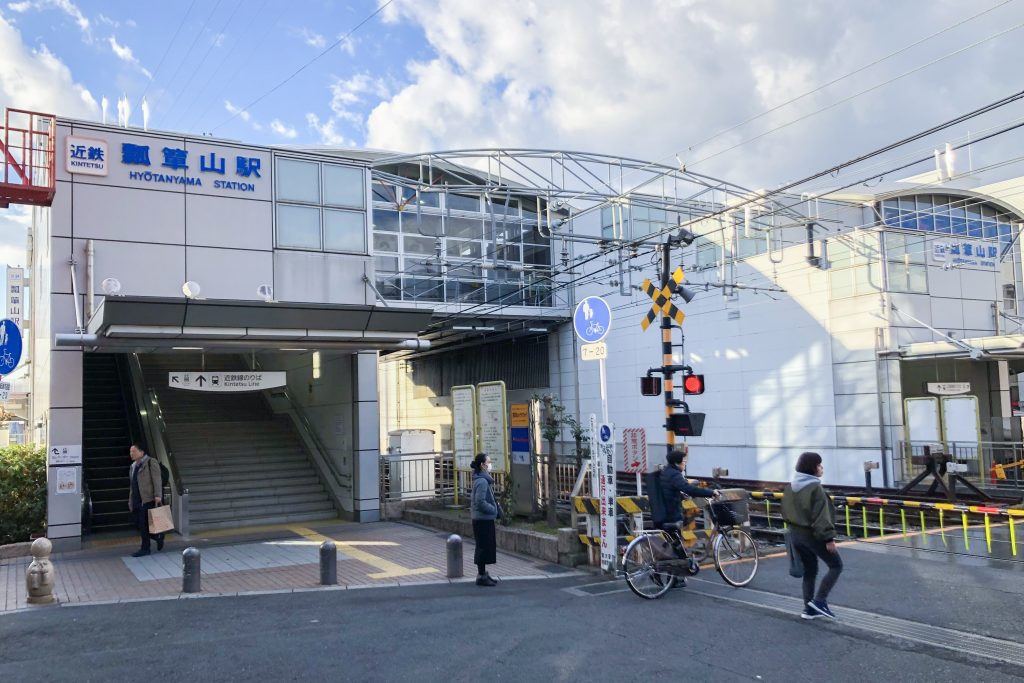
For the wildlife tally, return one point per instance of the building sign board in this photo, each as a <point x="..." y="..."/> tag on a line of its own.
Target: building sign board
<point x="981" y="253"/>
<point x="493" y="423"/>
<point x="64" y="455"/>
<point x="226" y="381"/>
<point x="948" y="388"/>
<point x="464" y="425"/>
<point x="86" y="156"/>
<point x="15" y="294"/>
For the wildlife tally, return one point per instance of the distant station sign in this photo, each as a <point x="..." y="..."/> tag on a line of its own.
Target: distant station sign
<point x="226" y="381"/>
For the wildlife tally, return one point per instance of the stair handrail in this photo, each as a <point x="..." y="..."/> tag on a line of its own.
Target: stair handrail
<point x="305" y="426"/>
<point x="155" y="429"/>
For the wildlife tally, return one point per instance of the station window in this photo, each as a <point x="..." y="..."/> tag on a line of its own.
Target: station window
<point x="854" y="266"/>
<point x="320" y="206"/>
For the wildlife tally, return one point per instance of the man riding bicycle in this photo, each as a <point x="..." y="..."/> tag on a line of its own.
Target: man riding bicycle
<point x="673" y="486"/>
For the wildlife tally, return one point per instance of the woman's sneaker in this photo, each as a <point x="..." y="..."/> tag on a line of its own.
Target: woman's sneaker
<point x="809" y="613"/>
<point x="821" y="607"/>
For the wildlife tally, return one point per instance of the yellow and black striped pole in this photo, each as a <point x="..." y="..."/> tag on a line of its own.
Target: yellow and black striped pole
<point x="666" y="348"/>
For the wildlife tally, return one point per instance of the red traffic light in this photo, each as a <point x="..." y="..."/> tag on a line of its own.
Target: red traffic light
<point x="693" y="384"/>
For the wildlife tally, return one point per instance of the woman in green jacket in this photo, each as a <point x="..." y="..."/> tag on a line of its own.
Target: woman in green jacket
<point x="812" y="525"/>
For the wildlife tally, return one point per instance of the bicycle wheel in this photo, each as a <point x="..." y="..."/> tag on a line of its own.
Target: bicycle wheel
<point x="735" y="557"/>
<point x="643" y="575"/>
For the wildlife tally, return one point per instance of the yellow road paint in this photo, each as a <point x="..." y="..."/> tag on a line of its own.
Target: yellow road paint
<point x="388" y="569"/>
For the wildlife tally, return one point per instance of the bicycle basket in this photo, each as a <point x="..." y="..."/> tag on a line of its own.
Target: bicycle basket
<point x="724" y="515"/>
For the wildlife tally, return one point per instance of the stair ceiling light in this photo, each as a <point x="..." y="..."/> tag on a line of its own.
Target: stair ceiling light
<point x="111" y="286"/>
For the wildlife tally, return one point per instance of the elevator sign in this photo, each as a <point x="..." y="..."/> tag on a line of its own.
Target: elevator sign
<point x="226" y="381"/>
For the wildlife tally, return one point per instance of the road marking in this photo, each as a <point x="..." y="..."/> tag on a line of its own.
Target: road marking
<point x="388" y="569"/>
<point x="1006" y="651"/>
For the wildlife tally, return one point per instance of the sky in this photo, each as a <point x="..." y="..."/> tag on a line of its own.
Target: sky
<point x="648" y="79"/>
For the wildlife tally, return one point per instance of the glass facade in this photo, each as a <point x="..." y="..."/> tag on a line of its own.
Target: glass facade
<point x="319" y="206"/>
<point x="949" y="215"/>
<point x="443" y="247"/>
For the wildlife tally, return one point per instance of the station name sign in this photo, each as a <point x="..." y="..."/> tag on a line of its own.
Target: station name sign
<point x="948" y="388"/>
<point x="226" y="381"/>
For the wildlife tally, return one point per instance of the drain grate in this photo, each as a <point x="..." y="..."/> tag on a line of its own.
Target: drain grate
<point x="1006" y="651"/>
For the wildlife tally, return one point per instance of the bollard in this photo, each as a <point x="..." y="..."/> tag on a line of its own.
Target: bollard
<point x="328" y="563"/>
<point x="39" y="578"/>
<point x="454" y="548"/>
<point x="190" y="571"/>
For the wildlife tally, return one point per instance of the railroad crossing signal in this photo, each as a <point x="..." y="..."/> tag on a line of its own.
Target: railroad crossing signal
<point x="662" y="299"/>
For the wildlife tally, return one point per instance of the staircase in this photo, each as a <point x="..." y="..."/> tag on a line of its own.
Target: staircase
<point x="105" y="441"/>
<point x="242" y="464"/>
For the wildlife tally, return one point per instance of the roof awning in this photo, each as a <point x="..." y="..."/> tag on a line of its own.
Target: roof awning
<point x="1001" y="347"/>
<point x="161" y="323"/>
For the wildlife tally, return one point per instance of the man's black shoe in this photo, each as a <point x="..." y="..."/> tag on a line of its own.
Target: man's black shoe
<point x="160" y="542"/>
<point x="140" y="553"/>
<point x="485" y="581"/>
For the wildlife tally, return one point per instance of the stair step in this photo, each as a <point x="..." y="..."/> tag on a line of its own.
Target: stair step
<point x="215" y="485"/>
<point x="262" y="515"/>
<point x="260" y="501"/>
<point x="271" y="490"/>
<point x="217" y="478"/>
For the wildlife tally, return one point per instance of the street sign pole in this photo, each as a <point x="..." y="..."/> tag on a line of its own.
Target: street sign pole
<point x="604" y="392"/>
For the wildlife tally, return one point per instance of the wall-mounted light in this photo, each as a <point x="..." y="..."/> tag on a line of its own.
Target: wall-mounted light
<point x="316" y="365"/>
<point x="111" y="286"/>
<point x="191" y="290"/>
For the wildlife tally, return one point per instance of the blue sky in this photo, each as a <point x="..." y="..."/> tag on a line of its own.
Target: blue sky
<point x="755" y="92"/>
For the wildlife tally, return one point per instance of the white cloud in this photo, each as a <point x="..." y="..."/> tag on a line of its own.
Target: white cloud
<point x="651" y="80"/>
<point x="232" y="109"/>
<point x="328" y="132"/>
<point x="310" y="38"/>
<point x="347" y="45"/>
<point x="38" y="80"/>
<point x="283" y="130"/>
<point x="69" y="8"/>
<point x="124" y="53"/>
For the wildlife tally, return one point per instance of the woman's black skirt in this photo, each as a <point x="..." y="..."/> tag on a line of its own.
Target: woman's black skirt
<point x="486" y="544"/>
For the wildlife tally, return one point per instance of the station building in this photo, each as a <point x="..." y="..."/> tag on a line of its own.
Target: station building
<point x="376" y="282"/>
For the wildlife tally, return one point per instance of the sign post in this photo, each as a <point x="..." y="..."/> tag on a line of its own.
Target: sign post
<point x="606" y="478"/>
<point x="592" y="321"/>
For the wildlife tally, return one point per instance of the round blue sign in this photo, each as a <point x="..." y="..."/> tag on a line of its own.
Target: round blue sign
<point x="606" y="433"/>
<point x="10" y="346"/>
<point x="592" y="319"/>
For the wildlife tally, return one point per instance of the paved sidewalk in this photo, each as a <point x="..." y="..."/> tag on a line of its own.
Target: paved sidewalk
<point x="266" y="559"/>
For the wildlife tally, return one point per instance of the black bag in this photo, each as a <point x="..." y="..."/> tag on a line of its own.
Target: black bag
<point x="724" y="514"/>
<point x="654" y="499"/>
<point x="796" y="567"/>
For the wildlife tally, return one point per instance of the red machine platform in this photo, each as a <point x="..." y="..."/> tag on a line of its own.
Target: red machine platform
<point x="27" y="158"/>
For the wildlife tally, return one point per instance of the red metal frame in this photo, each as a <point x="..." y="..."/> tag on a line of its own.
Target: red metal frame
<point x="27" y="158"/>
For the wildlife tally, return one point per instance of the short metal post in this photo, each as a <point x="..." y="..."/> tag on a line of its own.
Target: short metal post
<point x="454" y="547"/>
<point x="328" y="564"/>
<point x="190" y="571"/>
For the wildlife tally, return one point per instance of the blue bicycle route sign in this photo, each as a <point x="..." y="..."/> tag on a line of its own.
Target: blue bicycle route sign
<point x="592" y="319"/>
<point x="10" y="346"/>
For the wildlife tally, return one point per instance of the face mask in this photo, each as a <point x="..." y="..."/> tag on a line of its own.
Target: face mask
<point x="487" y="467"/>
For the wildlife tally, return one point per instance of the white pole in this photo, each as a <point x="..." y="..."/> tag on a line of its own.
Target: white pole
<point x="604" y="393"/>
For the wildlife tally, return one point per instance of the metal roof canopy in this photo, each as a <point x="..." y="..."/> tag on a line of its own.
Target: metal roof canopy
<point x="161" y="323"/>
<point x="997" y="347"/>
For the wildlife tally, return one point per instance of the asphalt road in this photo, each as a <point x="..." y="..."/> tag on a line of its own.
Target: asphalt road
<point x="519" y="631"/>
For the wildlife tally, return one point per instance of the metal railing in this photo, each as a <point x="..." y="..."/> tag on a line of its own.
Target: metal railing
<point x="154" y="429"/>
<point x="417" y="476"/>
<point x="984" y="461"/>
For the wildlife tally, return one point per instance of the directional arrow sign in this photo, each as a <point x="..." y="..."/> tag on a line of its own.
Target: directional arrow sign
<point x="201" y="380"/>
<point x="175" y="379"/>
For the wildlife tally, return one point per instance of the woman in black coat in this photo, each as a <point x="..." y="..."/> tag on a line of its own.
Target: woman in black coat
<point x="484" y="510"/>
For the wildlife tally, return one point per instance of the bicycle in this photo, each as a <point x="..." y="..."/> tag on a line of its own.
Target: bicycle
<point x="652" y="566"/>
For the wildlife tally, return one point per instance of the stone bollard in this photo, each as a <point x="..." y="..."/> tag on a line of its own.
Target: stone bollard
<point x="190" y="575"/>
<point x="39" y="578"/>
<point x="328" y="564"/>
<point x="454" y="548"/>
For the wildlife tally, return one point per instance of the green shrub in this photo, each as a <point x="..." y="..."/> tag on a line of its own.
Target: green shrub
<point x="22" y="492"/>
